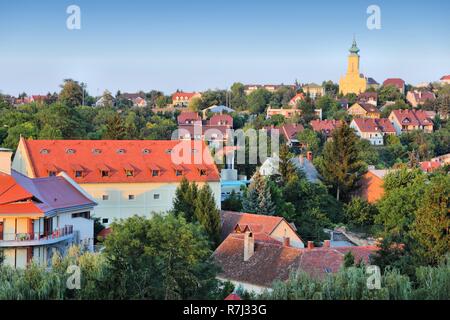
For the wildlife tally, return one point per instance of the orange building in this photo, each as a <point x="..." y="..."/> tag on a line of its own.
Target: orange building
<point x="372" y="188"/>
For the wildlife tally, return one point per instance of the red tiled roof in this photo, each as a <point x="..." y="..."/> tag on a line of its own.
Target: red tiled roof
<point x="40" y="195"/>
<point x="221" y="119"/>
<point x="429" y="166"/>
<point x="183" y="95"/>
<point x="423" y="96"/>
<point x="115" y="155"/>
<point x="291" y="130"/>
<point x="446" y="77"/>
<point x="188" y="116"/>
<point x="413" y="117"/>
<point x="374" y="125"/>
<point x="261" y="225"/>
<point x="396" y="82"/>
<point x="296" y="98"/>
<point x="105" y="232"/>
<point x="326" y="126"/>
<point x="273" y="261"/>
<point x="369" y="107"/>
<point x="233" y="296"/>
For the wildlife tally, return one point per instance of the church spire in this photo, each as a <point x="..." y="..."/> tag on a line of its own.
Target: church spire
<point x="354" y="49"/>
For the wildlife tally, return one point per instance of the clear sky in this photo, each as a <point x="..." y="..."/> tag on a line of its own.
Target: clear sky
<point x="196" y="45"/>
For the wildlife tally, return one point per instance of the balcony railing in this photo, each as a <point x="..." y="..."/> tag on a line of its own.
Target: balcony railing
<point x="36" y="237"/>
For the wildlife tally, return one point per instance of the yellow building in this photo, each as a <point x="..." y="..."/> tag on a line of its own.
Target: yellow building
<point x="353" y="81"/>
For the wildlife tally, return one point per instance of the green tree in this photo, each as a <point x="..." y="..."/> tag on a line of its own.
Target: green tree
<point x="163" y="257"/>
<point x="258" y="198"/>
<point x="286" y="167"/>
<point x="349" y="260"/>
<point x="359" y="212"/>
<point x="258" y="100"/>
<point x="342" y="167"/>
<point x="232" y="203"/>
<point x="207" y="214"/>
<point x="431" y="228"/>
<point x="115" y="128"/>
<point x="71" y="93"/>
<point x="310" y="140"/>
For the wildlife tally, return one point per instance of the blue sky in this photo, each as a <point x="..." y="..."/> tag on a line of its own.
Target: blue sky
<point x="195" y="45"/>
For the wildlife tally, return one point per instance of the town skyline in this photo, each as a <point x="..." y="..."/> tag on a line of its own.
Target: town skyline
<point x="157" y="51"/>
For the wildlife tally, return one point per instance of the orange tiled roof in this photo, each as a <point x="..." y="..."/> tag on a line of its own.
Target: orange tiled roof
<point x="374" y="125"/>
<point x="117" y="158"/>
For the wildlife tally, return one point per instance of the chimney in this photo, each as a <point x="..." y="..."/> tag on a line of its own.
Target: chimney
<point x="5" y="160"/>
<point x="327" y="244"/>
<point x="249" y="245"/>
<point x="309" y="156"/>
<point x="310" y="245"/>
<point x="286" y="242"/>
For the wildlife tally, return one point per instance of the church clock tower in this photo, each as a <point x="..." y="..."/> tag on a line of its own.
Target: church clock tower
<point x="353" y="82"/>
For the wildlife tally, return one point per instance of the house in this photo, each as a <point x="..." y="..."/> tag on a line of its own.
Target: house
<point x="395" y="82"/>
<point x="364" y="110"/>
<point x="182" y="99"/>
<point x="254" y="261"/>
<point x="289" y="113"/>
<point x="290" y="132"/>
<point x="325" y="127"/>
<point x="270" y="227"/>
<point x="105" y="102"/>
<point x="271" y="166"/>
<point x="188" y="118"/>
<point x="371" y="185"/>
<point x="126" y="177"/>
<point x="138" y="99"/>
<point x="296" y="99"/>
<point x="410" y="120"/>
<point x="353" y="81"/>
<point x="369" y="97"/>
<point x="37" y="99"/>
<point x="373" y="130"/>
<point x="372" y="83"/>
<point x="343" y="103"/>
<point x="313" y="90"/>
<point x="445" y="79"/>
<point x="216" y="109"/>
<point x="430" y="166"/>
<point x="418" y="98"/>
<point x="269" y="87"/>
<point x="41" y="216"/>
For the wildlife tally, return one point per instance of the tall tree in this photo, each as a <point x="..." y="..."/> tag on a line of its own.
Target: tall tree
<point x="258" y="198"/>
<point x="431" y="227"/>
<point x="286" y="167"/>
<point x="71" y="93"/>
<point x="115" y="128"/>
<point x="207" y="214"/>
<point x="342" y="167"/>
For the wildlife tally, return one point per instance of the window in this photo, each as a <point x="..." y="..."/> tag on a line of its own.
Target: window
<point x="44" y="151"/>
<point x="86" y="215"/>
<point x="203" y="172"/>
<point x="121" y="151"/>
<point x="105" y="173"/>
<point x="96" y="151"/>
<point x="178" y="173"/>
<point x="105" y="220"/>
<point x="131" y="197"/>
<point x="146" y="151"/>
<point x="155" y="173"/>
<point x="129" y="173"/>
<point x="105" y="197"/>
<point x="156" y="196"/>
<point x="70" y="151"/>
<point x="78" y="174"/>
<point x="52" y="173"/>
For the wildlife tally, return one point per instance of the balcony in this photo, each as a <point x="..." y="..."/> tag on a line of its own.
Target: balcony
<point x="35" y="239"/>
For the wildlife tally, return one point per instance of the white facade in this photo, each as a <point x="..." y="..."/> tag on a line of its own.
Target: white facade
<point x="375" y="138"/>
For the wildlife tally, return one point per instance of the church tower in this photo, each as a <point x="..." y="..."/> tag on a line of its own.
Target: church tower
<point x="353" y="82"/>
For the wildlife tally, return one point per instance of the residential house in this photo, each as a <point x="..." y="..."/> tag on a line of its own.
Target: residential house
<point x="191" y="127"/>
<point x="395" y="82"/>
<point x="251" y="259"/>
<point x="445" y="79"/>
<point x="364" y="110"/>
<point x="138" y="99"/>
<point x="182" y="99"/>
<point x="296" y="100"/>
<point x="270" y="227"/>
<point x="126" y="177"/>
<point x="373" y="130"/>
<point x="41" y="216"/>
<point x="371" y="185"/>
<point x="325" y="127"/>
<point x="369" y="97"/>
<point x="313" y="90"/>
<point x="269" y="87"/>
<point x="271" y="166"/>
<point x="410" y="120"/>
<point x="289" y="113"/>
<point x="372" y="83"/>
<point x="216" y="109"/>
<point x="420" y="97"/>
<point x="290" y="132"/>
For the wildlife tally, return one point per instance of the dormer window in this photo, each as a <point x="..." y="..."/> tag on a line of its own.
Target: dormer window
<point x="96" y="151"/>
<point x="146" y="151"/>
<point x="155" y="173"/>
<point x="70" y="151"/>
<point x="51" y="173"/>
<point x="129" y="173"/>
<point x="178" y="172"/>
<point x="78" y="174"/>
<point x="104" y="173"/>
<point x="121" y="151"/>
<point x="44" y="151"/>
<point x="203" y="172"/>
